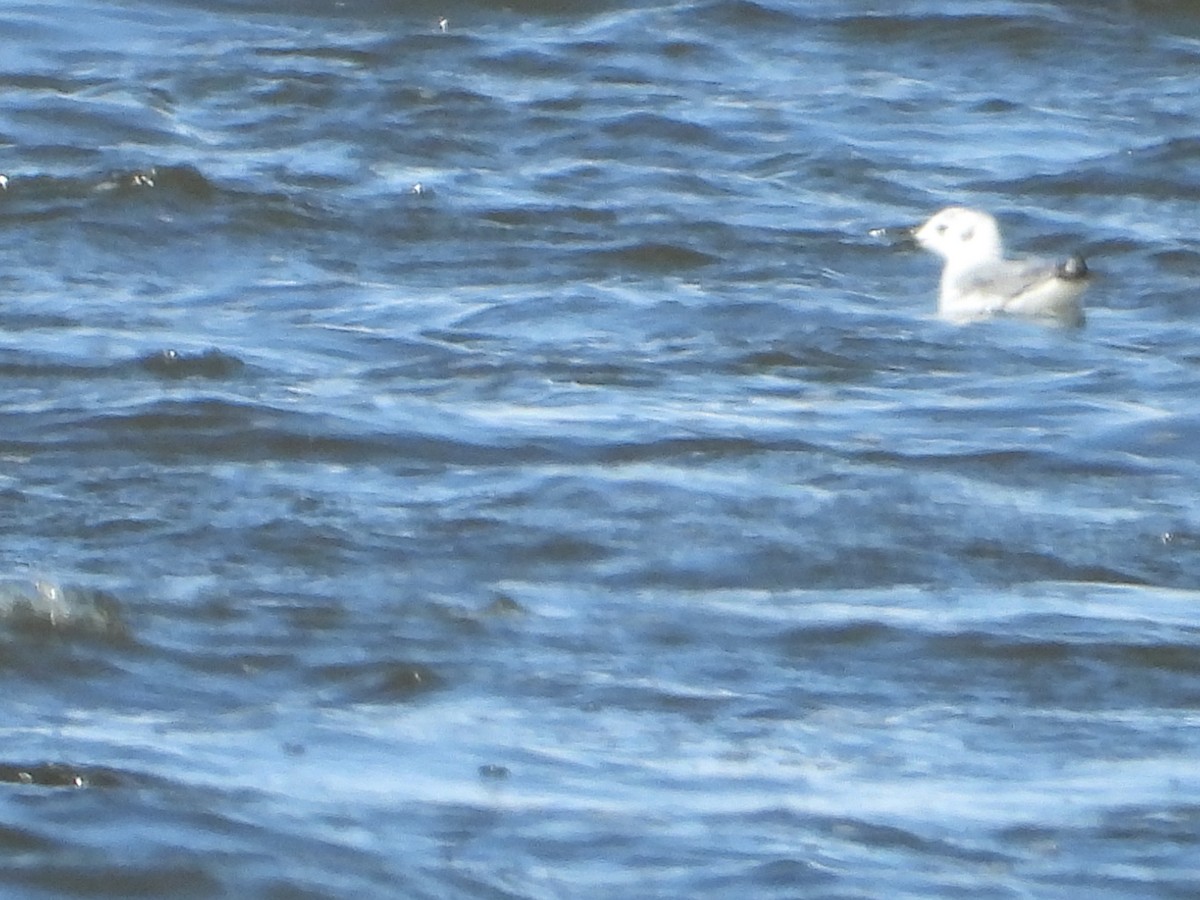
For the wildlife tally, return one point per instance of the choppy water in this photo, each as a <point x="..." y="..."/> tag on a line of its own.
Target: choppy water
<point x="610" y="516"/>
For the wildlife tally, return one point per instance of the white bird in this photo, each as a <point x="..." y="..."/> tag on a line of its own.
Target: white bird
<point x="977" y="281"/>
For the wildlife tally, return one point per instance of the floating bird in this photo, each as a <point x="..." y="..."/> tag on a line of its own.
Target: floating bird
<point x="978" y="281"/>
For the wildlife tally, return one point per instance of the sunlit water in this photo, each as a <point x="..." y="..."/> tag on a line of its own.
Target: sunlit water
<point x="503" y="463"/>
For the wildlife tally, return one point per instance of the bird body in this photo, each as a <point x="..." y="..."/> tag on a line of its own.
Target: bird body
<point x="978" y="281"/>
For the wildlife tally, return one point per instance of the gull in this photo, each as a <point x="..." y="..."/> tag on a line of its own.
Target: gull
<point x="978" y="281"/>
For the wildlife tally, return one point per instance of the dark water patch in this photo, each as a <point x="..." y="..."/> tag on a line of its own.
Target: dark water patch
<point x="120" y="881"/>
<point x="435" y="354"/>
<point x="1180" y="12"/>
<point x="105" y="124"/>
<point x="601" y="374"/>
<point x="15" y="321"/>
<point x="978" y="32"/>
<point x="1103" y="182"/>
<point x="215" y="428"/>
<point x="551" y="9"/>
<point x="206" y="428"/>
<point x="662" y="699"/>
<point x="653" y="127"/>
<point x="543" y="217"/>
<point x="1030" y="667"/>
<point x="1133" y="840"/>
<point x="1165" y="171"/>
<point x="169" y="364"/>
<point x="350" y="56"/>
<point x="880" y="837"/>
<point x="618" y="76"/>
<point x="379" y="682"/>
<point x="171" y="181"/>
<point x="995" y="106"/>
<point x="1177" y="824"/>
<point x="20" y="364"/>
<point x="1093" y="674"/>
<point x="694" y="51"/>
<point x="229" y="671"/>
<point x="783" y="874"/>
<point x="504" y="605"/>
<point x="559" y="550"/>
<point x="532" y="63"/>
<point x="698" y="448"/>
<point x="47" y="608"/>
<point x="19" y="840"/>
<point x="1163" y="654"/>
<point x="744" y="15"/>
<point x="1045" y="565"/>
<point x="840" y="638"/>
<point x="1179" y="261"/>
<point x="210" y="363"/>
<point x="293" y="541"/>
<point x="35" y="198"/>
<point x="1156" y="439"/>
<point x="440" y="104"/>
<point x="810" y="359"/>
<point x="56" y="638"/>
<point x="190" y="842"/>
<point x="653" y="256"/>
<point x="494" y="772"/>
<point x="557" y="107"/>
<point x="299" y="91"/>
<point x="1009" y="464"/>
<point x="39" y="82"/>
<point x="61" y="775"/>
<point x="770" y="360"/>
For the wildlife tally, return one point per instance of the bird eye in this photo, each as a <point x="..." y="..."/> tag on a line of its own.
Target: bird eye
<point x="941" y="229"/>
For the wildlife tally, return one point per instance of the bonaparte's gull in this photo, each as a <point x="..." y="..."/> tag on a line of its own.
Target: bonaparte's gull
<point x="977" y="281"/>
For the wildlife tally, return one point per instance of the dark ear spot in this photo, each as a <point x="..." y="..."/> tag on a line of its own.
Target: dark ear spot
<point x="968" y="233"/>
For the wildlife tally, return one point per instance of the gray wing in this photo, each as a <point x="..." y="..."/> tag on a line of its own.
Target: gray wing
<point x="1006" y="279"/>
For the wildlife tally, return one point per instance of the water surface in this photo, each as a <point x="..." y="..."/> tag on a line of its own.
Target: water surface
<point x="501" y="462"/>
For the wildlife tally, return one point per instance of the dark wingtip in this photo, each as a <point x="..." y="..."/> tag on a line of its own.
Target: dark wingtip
<point x="1073" y="269"/>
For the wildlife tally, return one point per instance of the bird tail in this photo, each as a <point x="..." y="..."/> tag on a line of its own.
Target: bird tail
<point x="1074" y="269"/>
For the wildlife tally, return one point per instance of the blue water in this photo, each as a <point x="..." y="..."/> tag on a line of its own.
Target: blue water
<point x="504" y="462"/>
